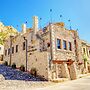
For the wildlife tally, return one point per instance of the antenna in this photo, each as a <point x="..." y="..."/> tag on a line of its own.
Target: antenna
<point x="70" y="24"/>
<point x="17" y="27"/>
<point x="40" y="23"/>
<point x="50" y="15"/>
<point x="26" y="22"/>
<point x="61" y="18"/>
<point x="77" y="29"/>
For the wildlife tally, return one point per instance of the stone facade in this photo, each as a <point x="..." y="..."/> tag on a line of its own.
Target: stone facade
<point x="1" y="52"/>
<point x="54" y="51"/>
<point x="85" y="52"/>
<point x="35" y="58"/>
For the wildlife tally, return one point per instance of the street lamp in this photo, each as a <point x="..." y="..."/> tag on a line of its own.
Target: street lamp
<point x="26" y="51"/>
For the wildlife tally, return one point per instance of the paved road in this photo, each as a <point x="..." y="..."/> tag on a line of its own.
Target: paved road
<point x="79" y="84"/>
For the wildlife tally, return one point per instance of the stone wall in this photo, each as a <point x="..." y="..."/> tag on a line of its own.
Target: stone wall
<point x="60" y="54"/>
<point x="39" y="51"/>
<point x="1" y="49"/>
<point x="62" y="34"/>
<point x="1" y="52"/>
<point x="36" y="59"/>
<point x="40" y="61"/>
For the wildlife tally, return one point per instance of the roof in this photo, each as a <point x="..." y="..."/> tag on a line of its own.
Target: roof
<point x="85" y="42"/>
<point x="61" y="24"/>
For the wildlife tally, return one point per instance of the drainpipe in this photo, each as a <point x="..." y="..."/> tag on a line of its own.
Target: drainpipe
<point x="26" y="52"/>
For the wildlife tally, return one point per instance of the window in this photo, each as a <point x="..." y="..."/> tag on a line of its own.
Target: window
<point x="12" y="50"/>
<point x="64" y="45"/>
<point x="8" y="51"/>
<point x="16" y="48"/>
<point x="58" y="43"/>
<point x="75" y="42"/>
<point x="83" y="50"/>
<point x="5" y="52"/>
<point x="0" y="48"/>
<point x="23" y="45"/>
<point x="70" y="46"/>
<point x="89" y="52"/>
<point x="48" y="44"/>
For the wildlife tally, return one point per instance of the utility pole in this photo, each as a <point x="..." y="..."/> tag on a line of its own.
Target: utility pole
<point x="50" y="39"/>
<point x="52" y="42"/>
<point x="26" y="51"/>
<point x="50" y="30"/>
<point x="10" y="50"/>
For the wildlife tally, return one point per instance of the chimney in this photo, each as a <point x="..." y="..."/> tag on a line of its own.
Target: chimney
<point x="24" y="28"/>
<point x="35" y="24"/>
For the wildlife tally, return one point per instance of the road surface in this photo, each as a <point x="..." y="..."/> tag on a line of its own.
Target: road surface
<point x="79" y="84"/>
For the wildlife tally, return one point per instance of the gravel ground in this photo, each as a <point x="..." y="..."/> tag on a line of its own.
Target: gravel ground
<point x="14" y="74"/>
<point x="23" y="85"/>
<point x="12" y="79"/>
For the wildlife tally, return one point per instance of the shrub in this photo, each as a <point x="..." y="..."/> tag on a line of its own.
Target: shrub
<point x="6" y="63"/>
<point x="34" y="72"/>
<point x="14" y="66"/>
<point x="22" y="68"/>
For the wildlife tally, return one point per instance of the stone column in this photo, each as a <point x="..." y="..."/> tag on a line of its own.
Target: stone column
<point x="73" y="71"/>
<point x="52" y="41"/>
<point x="49" y="74"/>
<point x="56" y="70"/>
<point x="86" y="67"/>
<point x="65" y="71"/>
<point x="24" y="28"/>
<point x="52" y="49"/>
<point x="35" y="24"/>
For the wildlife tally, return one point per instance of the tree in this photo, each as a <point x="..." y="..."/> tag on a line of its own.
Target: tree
<point x="85" y="58"/>
<point x="6" y="32"/>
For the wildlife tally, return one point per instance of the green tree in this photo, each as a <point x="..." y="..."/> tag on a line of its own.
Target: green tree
<point x="9" y="30"/>
<point x="85" y="58"/>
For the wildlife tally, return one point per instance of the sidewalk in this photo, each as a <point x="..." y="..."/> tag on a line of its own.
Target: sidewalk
<point x="83" y="75"/>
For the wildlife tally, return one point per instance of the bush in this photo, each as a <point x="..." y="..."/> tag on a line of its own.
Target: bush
<point x="34" y="72"/>
<point x="6" y="63"/>
<point x="22" y="68"/>
<point x="14" y="66"/>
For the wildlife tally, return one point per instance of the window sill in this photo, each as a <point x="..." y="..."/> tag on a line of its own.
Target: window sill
<point x="62" y="50"/>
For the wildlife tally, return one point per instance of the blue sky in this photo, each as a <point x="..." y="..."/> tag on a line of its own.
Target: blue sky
<point x="16" y="12"/>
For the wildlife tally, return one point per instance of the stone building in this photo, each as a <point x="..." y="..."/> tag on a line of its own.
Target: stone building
<point x="5" y="31"/>
<point x="54" y="51"/>
<point x="85" y="52"/>
<point x="1" y="52"/>
<point x="15" y="50"/>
